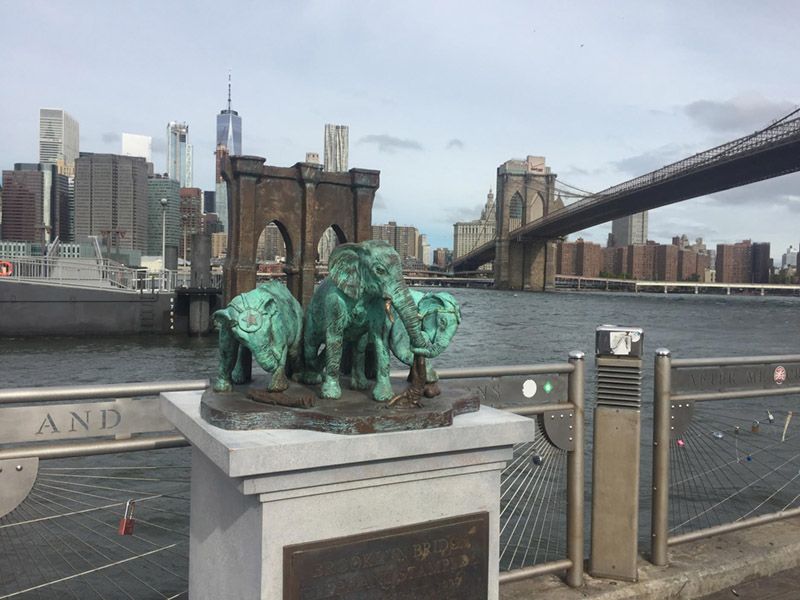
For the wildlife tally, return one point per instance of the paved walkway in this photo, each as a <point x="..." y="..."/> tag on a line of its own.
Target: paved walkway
<point x="766" y="558"/>
<point x="780" y="586"/>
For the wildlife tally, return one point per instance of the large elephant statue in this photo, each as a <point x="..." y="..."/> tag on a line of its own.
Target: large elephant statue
<point x="269" y="322"/>
<point x="441" y="316"/>
<point x="350" y="307"/>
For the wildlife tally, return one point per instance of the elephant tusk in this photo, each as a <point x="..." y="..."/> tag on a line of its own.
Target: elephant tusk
<point x="388" y="308"/>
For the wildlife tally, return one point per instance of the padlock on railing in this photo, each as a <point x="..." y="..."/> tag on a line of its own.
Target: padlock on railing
<point x="126" y="522"/>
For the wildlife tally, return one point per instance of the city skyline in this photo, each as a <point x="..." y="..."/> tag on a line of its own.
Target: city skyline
<point x="441" y="104"/>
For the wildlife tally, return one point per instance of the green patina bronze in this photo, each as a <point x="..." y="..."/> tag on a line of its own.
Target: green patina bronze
<point x="268" y="321"/>
<point x="441" y="315"/>
<point x="349" y="309"/>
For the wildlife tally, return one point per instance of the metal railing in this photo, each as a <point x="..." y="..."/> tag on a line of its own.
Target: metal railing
<point x="91" y="273"/>
<point x="491" y="382"/>
<point x="744" y="465"/>
<point x="519" y="477"/>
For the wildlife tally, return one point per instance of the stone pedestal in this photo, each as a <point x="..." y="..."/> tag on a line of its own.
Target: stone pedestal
<point x="257" y="495"/>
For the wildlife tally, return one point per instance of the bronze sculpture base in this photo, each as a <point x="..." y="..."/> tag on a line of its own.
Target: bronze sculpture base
<point x="354" y="413"/>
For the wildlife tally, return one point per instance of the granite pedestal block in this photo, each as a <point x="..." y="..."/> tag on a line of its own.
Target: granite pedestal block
<point x="255" y="493"/>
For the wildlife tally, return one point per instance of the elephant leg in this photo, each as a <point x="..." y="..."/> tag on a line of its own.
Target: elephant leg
<point x="228" y="351"/>
<point x="279" y="382"/>
<point x="358" y="380"/>
<point x="383" y="385"/>
<point x="239" y="375"/>
<point x="333" y="360"/>
<point x="311" y="371"/>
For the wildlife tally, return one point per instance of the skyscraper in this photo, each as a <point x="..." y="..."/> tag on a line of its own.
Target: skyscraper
<point x="229" y="142"/>
<point x="37" y="204"/>
<point x="111" y="200"/>
<point x="59" y="137"/>
<point x="137" y="145"/>
<point x="468" y="235"/>
<point x="630" y="230"/>
<point x="179" y="153"/>
<point x="336" y="147"/>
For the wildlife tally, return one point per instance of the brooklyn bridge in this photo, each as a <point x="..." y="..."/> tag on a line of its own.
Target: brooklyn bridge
<point x="530" y="217"/>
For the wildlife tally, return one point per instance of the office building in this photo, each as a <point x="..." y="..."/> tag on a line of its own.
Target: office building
<point x="219" y="245"/>
<point x="468" y="235"/>
<point x="229" y="142"/>
<point x="59" y="139"/>
<point x="581" y="258"/>
<point x="159" y="187"/>
<point x="424" y="251"/>
<point x="134" y="144"/>
<point x="743" y="262"/>
<point x="209" y="205"/>
<point x="179" y="153"/>
<point x="191" y="207"/>
<point x="442" y="257"/>
<point x="271" y="247"/>
<point x="336" y="147"/>
<point x="312" y="158"/>
<point x="327" y="243"/>
<point x="37" y="204"/>
<point x="404" y="239"/>
<point x="111" y="200"/>
<point x="629" y="230"/>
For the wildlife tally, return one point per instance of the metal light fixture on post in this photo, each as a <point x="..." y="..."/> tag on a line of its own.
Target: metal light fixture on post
<point x="164" y="203"/>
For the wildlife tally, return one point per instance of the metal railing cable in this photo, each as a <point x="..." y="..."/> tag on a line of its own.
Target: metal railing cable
<point x="726" y="448"/>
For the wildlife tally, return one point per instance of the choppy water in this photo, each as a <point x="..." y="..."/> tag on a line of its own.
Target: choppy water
<point x="498" y="328"/>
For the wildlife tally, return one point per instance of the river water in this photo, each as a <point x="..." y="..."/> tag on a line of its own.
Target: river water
<point x="498" y="328"/>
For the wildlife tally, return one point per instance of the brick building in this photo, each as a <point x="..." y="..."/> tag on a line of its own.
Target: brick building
<point x="743" y="262"/>
<point x="581" y="258"/>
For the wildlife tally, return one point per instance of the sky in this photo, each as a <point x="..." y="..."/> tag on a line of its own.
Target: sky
<point x="436" y="94"/>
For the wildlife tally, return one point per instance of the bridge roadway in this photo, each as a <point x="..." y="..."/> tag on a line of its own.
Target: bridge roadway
<point x="765" y="154"/>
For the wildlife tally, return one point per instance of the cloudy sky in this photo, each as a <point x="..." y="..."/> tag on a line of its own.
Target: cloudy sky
<point x="436" y="94"/>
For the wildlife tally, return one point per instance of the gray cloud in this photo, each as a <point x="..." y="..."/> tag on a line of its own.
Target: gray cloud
<point x="780" y="191"/>
<point x="380" y="202"/>
<point x="111" y="137"/>
<point x="390" y="144"/>
<point x="455" y="143"/>
<point x="652" y="160"/>
<point x="742" y="113"/>
<point x="455" y="214"/>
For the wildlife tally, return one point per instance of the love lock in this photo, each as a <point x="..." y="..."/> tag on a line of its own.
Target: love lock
<point x="126" y="522"/>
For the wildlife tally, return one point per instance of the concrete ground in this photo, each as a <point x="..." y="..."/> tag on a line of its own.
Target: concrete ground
<point x="759" y="563"/>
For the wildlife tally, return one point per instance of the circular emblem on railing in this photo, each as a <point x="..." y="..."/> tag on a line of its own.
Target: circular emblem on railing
<point x="779" y="376"/>
<point x="6" y="268"/>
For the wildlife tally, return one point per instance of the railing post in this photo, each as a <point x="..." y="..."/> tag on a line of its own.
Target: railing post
<point x="661" y="412"/>
<point x="575" y="476"/>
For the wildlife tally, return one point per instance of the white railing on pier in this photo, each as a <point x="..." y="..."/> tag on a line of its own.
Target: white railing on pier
<point x="92" y="273"/>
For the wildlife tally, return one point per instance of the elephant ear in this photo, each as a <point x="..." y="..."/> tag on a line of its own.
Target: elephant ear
<point x="222" y="319"/>
<point x="344" y="266"/>
<point x="439" y="302"/>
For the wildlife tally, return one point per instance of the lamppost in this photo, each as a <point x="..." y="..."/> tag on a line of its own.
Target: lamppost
<point x="164" y="202"/>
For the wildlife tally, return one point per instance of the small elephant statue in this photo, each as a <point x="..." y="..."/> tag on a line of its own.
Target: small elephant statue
<point x="349" y="308"/>
<point x="441" y="316"/>
<point x="269" y="322"/>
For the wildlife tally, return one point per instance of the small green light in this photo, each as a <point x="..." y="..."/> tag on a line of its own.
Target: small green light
<point x="548" y="387"/>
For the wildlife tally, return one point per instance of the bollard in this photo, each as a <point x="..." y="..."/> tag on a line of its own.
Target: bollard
<point x="615" y="466"/>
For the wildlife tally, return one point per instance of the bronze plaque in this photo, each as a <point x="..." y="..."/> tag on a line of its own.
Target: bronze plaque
<point x="442" y="560"/>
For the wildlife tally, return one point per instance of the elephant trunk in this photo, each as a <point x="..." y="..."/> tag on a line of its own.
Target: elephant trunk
<point x="407" y="309"/>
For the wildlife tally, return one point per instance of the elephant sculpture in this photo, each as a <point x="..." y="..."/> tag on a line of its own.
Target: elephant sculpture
<point x="269" y="322"/>
<point x="441" y="316"/>
<point x="350" y="308"/>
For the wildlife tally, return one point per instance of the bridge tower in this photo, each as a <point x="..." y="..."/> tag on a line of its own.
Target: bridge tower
<point x="303" y="201"/>
<point x="525" y="193"/>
